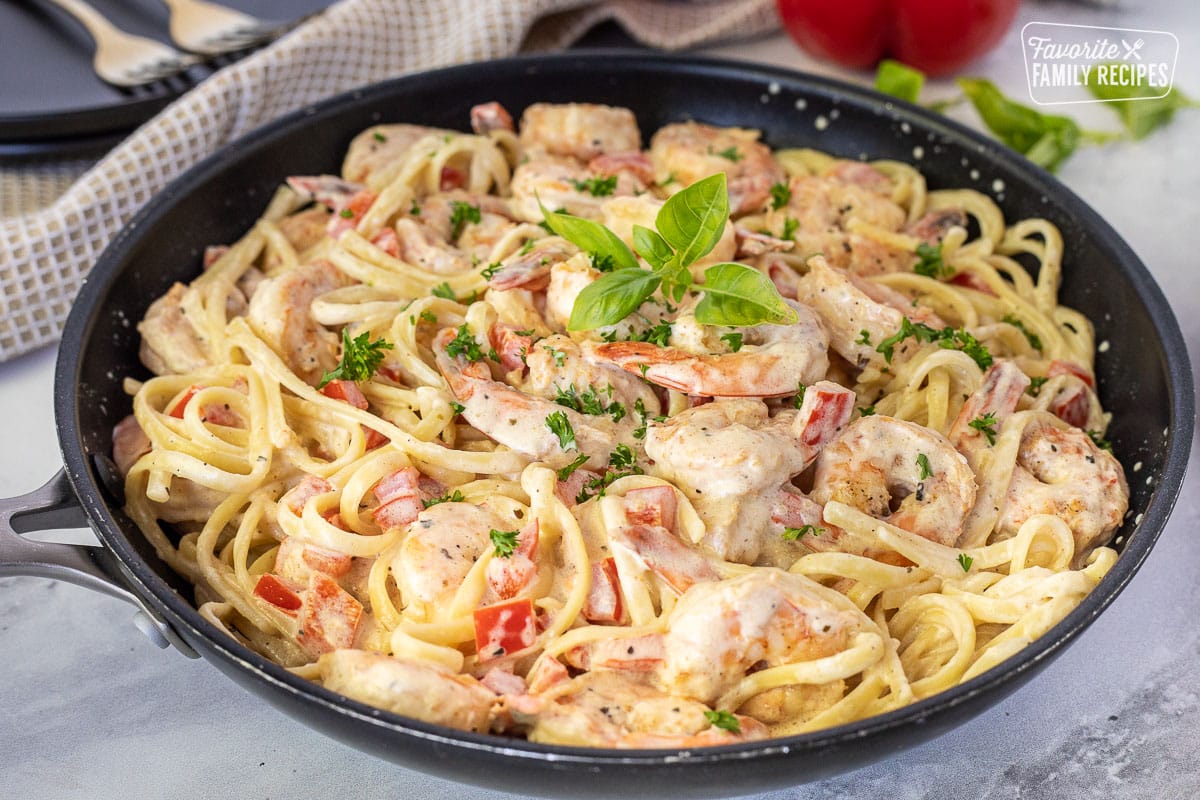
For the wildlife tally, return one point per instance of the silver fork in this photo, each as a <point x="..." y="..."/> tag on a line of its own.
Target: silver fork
<point x="212" y="29"/>
<point x="121" y="58"/>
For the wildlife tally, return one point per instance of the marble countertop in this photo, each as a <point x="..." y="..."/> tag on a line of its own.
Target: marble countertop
<point x="92" y="710"/>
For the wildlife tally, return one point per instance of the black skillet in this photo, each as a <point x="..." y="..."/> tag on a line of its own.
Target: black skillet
<point x="1143" y="379"/>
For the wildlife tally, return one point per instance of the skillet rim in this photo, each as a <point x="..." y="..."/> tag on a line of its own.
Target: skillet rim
<point x="1000" y="680"/>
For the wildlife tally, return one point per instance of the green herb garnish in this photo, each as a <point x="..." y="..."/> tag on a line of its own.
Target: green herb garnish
<point x="724" y="720"/>
<point x="734" y="340"/>
<point x="930" y="263"/>
<point x="796" y="534"/>
<point x="360" y="358"/>
<point x="965" y="561"/>
<point x="460" y="214"/>
<point x="1034" y="340"/>
<point x="455" y="497"/>
<point x="464" y="345"/>
<point x="504" y="542"/>
<point x="781" y="195"/>
<point x="923" y="463"/>
<point x="560" y="426"/>
<point x="597" y="187"/>
<point x="569" y="469"/>
<point x="986" y="425"/>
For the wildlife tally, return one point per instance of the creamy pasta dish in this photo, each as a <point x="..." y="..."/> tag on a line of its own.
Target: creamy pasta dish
<point x="536" y="432"/>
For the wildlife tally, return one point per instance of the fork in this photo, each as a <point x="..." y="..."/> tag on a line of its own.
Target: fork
<point x="212" y="29"/>
<point x="121" y="58"/>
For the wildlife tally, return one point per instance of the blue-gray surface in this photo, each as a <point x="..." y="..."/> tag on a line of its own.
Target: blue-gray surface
<point x="92" y="710"/>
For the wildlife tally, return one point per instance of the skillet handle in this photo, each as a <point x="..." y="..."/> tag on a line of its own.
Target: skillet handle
<point x="54" y="505"/>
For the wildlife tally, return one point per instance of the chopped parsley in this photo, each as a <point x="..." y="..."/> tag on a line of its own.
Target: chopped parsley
<point x="796" y="534"/>
<point x="558" y="355"/>
<point x="867" y="411"/>
<point x="949" y="338"/>
<point x="588" y="402"/>
<point x="427" y="316"/>
<point x="460" y="214"/>
<point x="505" y="542"/>
<point x="660" y="334"/>
<point x="560" y="426"/>
<point x="457" y="408"/>
<point x="790" y="225"/>
<point x="986" y="425"/>
<point x="1035" y="385"/>
<point x="639" y="408"/>
<point x="724" y="720"/>
<point x="597" y="187"/>
<point x="667" y="181"/>
<point x="415" y="210"/>
<point x="1034" y="340"/>
<point x="455" y="497"/>
<point x="730" y="153"/>
<point x="734" y="340"/>
<point x="1100" y="441"/>
<point x="464" y="345"/>
<point x="800" y="390"/>
<point x="930" y="263"/>
<point x="346" y="213"/>
<point x="489" y="272"/>
<point x="864" y="337"/>
<point x="781" y="195"/>
<point x="379" y="137"/>
<point x="602" y="262"/>
<point x="621" y="463"/>
<point x="360" y="358"/>
<point x="923" y="463"/>
<point x="444" y="291"/>
<point x="569" y="469"/>
<point x="965" y="561"/>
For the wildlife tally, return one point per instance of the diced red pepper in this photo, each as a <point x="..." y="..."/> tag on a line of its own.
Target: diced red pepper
<point x="651" y="505"/>
<point x="277" y="593"/>
<point x="969" y="280"/>
<point x="346" y="391"/>
<point x="177" y="410"/>
<point x="1060" y="367"/>
<point x="546" y="672"/>
<point x="453" y="178"/>
<point x="509" y="576"/>
<point x="329" y="616"/>
<point x="1071" y="405"/>
<point x="374" y="438"/>
<point x="504" y="628"/>
<point x="297" y="559"/>
<point x="299" y="495"/>
<point x="401" y="483"/>
<point x="824" y="413"/>
<point x="387" y="241"/>
<point x="397" y="513"/>
<point x="604" y="597"/>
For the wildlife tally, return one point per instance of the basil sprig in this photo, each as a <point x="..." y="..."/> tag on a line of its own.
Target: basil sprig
<point x="899" y="80"/>
<point x="1148" y="113"/>
<point x="689" y="225"/>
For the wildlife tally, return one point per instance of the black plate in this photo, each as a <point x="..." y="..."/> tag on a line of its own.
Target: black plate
<point x="1143" y="379"/>
<point x="52" y="103"/>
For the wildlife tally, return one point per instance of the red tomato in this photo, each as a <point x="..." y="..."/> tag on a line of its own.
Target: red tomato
<point x="935" y="36"/>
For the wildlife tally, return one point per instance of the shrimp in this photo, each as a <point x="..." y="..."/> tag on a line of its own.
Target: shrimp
<point x="169" y="342"/>
<point x="582" y="130"/>
<point x="1060" y="471"/>
<point x="488" y="117"/>
<point x="377" y="148"/>
<point x="519" y="420"/>
<point x="557" y="364"/>
<point x="280" y="313"/>
<point x="767" y="361"/>
<point x="898" y="472"/>
<point x="690" y="151"/>
<point x="994" y="402"/>
<point x="825" y="211"/>
<point x="850" y="305"/>
<point x="442" y="545"/>
<point x="729" y="458"/>
<point x="531" y="270"/>
<point x="614" y="709"/>
<point x="562" y="184"/>
<point x="720" y="631"/>
<point x="421" y="690"/>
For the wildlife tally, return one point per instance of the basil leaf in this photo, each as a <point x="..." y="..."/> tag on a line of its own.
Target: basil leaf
<point x="693" y="220"/>
<point x="899" y="80"/>
<point x="652" y="247"/>
<point x="737" y="295"/>
<point x="590" y="237"/>
<point x="1045" y="139"/>
<point x="611" y="298"/>
<point x="1140" y="109"/>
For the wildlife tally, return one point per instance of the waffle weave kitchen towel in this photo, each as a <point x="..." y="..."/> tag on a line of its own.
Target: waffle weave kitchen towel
<point x="56" y="219"/>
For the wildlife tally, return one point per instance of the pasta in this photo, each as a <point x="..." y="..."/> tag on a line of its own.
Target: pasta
<point x="422" y="436"/>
